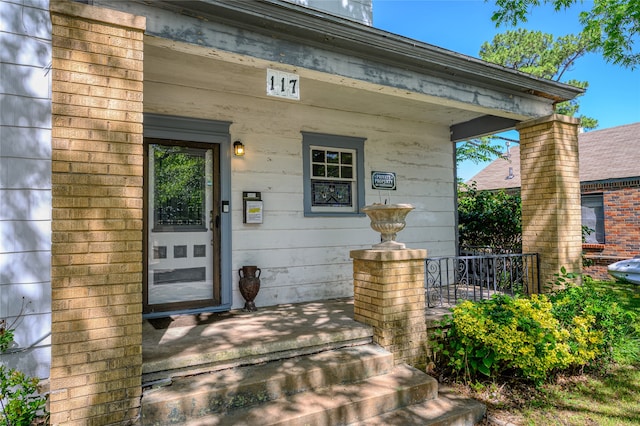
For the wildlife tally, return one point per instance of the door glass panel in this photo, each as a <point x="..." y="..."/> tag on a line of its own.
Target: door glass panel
<point x="180" y="263"/>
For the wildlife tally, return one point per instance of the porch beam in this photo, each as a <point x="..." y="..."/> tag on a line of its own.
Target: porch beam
<point x="482" y="126"/>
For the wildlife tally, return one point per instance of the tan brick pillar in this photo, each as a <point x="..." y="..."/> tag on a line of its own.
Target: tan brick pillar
<point x="551" y="213"/>
<point x="389" y="296"/>
<point x="96" y="272"/>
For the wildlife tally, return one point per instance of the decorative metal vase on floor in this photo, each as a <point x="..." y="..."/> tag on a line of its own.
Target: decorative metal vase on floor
<point x="249" y="286"/>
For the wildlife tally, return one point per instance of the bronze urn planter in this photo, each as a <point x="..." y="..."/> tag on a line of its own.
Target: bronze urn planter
<point x="249" y="286"/>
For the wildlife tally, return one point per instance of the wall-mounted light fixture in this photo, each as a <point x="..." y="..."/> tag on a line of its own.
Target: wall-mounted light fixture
<point x="238" y="149"/>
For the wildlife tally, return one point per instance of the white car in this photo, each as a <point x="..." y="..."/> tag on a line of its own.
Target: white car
<point x="626" y="270"/>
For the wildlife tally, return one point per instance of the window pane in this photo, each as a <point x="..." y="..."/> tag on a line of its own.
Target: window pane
<point x="331" y="193"/>
<point x="346" y="158"/>
<point x="333" y="182"/>
<point x="318" y="170"/>
<point x="178" y="188"/>
<point x="317" y="156"/>
<point x="333" y="171"/>
<point x="333" y="157"/>
<point x="593" y="218"/>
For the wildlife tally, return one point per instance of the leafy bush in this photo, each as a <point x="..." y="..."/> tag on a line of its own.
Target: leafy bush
<point x="7" y="329"/>
<point x="518" y="336"/>
<point x="537" y="336"/>
<point x="19" y="401"/>
<point x="613" y="322"/>
<point x="627" y="296"/>
<point x="6" y="336"/>
<point x="489" y="219"/>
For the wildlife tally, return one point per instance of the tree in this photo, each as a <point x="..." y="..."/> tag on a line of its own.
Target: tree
<point x="479" y="150"/>
<point x="612" y="26"/>
<point x="538" y="54"/>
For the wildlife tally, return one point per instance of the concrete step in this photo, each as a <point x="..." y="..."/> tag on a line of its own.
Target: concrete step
<point x="339" y="404"/>
<point x="449" y="409"/>
<point x="230" y="389"/>
<point x="165" y="362"/>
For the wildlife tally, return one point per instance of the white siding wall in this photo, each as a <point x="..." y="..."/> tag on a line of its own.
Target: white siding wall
<point x="25" y="180"/>
<point x="307" y="258"/>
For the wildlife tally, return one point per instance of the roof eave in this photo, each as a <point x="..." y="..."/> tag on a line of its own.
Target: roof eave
<point x="335" y="33"/>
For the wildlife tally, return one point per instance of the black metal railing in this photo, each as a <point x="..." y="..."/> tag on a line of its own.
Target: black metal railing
<point x="448" y="280"/>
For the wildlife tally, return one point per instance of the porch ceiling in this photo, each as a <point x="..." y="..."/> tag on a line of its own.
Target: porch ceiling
<point x="217" y="71"/>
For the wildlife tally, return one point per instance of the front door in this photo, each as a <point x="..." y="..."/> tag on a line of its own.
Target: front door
<point x="183" y="226"/>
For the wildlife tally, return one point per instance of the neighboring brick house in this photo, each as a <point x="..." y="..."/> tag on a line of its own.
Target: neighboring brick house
<point x="610" y="188"/>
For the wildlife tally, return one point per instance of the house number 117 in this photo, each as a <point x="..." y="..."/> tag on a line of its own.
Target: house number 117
<point x="283" y="84"/>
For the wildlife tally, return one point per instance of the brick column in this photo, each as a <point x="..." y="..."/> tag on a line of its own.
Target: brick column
<point x="97" y="159"/>
<point x="389" y="296"/>
<point x="551" y="213"/>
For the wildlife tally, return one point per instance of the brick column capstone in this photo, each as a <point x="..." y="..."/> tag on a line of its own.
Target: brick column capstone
<point x="551" y="212"/>
<point x="96" y="265"/>
<point x="389" y="296"/>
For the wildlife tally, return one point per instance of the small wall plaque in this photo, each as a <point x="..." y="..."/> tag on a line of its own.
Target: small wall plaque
<point x="283" y="84"/>
<point x="253" y="207"/>
<point x="383" y="180"/>
<point x="254" y="212"/>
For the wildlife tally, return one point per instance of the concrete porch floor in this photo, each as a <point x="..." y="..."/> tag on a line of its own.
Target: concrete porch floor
<point x="343" y="373"/>
<point x="191" y="344"/>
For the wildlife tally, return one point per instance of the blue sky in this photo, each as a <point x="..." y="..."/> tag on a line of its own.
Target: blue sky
<point x="462" y="26"/>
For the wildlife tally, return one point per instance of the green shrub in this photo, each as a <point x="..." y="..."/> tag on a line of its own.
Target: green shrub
<point x="489" y="219"/>
<point x="7" y="329"/>
<point x="518" y="336"/>
<point x="19" y="401"/>
<point x="6" y="336"/>
<point x="614" y="323"/>
<point x="533" y="337"/>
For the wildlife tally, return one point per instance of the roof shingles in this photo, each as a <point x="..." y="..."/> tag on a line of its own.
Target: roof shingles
<point x="612" y="153"/>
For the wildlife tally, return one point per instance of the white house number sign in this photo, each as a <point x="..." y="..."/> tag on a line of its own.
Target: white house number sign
<point x="283" y="84"/>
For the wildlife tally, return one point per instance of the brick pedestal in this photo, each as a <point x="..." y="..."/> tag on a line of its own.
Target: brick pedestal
<point x="551" y="212"/>
<point x="389" y="296"/>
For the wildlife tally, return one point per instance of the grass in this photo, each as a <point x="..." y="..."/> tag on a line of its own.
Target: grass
<point x="628" y="296"/>
<point x="610" y="398"/>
